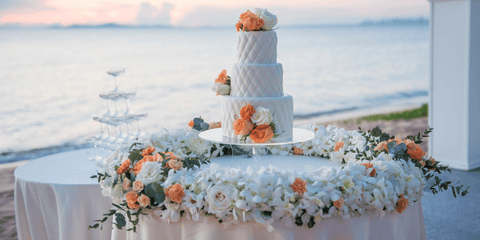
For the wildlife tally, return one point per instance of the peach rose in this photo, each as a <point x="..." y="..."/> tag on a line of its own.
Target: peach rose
<point x="402" y="204"/>
<point x="148" y="151"/>
<point x="396" y="140"/>
<point x="137" y="186"/>
<point x="262" y="134"/>
<point x="175" y="193"/>
<point x="150" y="158"/>
<point x="338" y="145"/>
<point x="247" y="112"/>
<point x="191" y="123"/>
<point x="132" y="198"/>
<point x="315" y="129"/>
<point x="169" y="156"/>
<point x="126" y="184"/>
<point x="246" y="15"/>
<point x="432" y="160"/>
<point x="297" y="151"/>
<point x="253" y="23"/>
<point x="174" y="164"/>
<point x="242" y="127"/>
<point x="144" y="201"/>
<point x="124" y="167"/>
<point x="381" y="146"/>
<point x="414" y="150"/>
<point x="422" y="163"/>
<point x="239" y="25"/>
<point x="370" y="165"/>
<point x="222" y="77"/>
<point x="299" y="186"/>
<point x="339" y="203"/>
<point x="212" y="125"/>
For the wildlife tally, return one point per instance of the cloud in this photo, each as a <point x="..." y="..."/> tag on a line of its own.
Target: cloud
<point x="150" y="15"/>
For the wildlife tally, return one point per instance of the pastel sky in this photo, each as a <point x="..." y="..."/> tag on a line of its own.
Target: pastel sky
<point x="205" y="12"/>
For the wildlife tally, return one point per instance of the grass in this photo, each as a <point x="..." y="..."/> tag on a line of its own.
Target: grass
<point x="409" y="114"/>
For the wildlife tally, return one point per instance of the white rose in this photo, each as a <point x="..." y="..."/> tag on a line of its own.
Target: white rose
<point x="262" y="116"/>
<point x="219" y="199"/>
<point x="221" y="88"/>
<point x="197" y="144"/>
<point x="269" y="19"/>
<point x="151" y="172"/>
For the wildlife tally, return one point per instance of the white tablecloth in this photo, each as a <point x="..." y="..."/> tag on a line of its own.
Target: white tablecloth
<point x="393" y="226"/>
<point x="56" y="199"/>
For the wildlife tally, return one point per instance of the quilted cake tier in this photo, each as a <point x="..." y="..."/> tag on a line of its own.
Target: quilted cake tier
<point x="281" y="107"/>
<point x="257" y="80"/>
<point x="257" y="47"/>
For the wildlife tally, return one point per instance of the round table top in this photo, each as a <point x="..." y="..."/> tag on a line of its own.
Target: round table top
<point x="67" y="168"/>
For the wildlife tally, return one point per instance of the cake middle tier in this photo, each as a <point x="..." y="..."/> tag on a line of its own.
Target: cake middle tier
<point x="257" y="80"/>
<point x="280" y="107"/>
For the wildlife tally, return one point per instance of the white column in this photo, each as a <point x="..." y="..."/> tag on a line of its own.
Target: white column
<point x="454" y="106"/>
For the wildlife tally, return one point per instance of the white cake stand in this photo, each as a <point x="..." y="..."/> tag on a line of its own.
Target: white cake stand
<point x="215" y="135"/>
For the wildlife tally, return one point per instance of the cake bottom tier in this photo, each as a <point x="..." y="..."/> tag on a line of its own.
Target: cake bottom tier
<point x="281" y="107"/>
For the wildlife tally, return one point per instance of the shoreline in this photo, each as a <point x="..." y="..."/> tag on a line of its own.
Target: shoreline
<point x="335" y="118"/>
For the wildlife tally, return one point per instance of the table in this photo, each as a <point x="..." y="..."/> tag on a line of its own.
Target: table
<point x="406" y="226"/>
<point x="56" y="199"/>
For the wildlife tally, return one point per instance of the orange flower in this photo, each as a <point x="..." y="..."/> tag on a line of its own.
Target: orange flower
<point x="137" y="186"/>
<point x="169" y="156"/>
<point x="415" y="151"/>
<point x="191" y="123"/>
<point x="381" y="146"/>
<point x="212" y="125"/>
<point x="432" y="160"/>
<point x="316" y="129"/>
<point x="144" y="201"/>
<point x="396" y="140"/>
<point x="239" y="25"/>
<point x="175" y="193"/>
<point x="297" y="151"/>
<point x="402" y="204"/>
<point x="222" y="77"/>
<point x="253" y="23"/>
<point x="339" y="203"/>
<point x="422" y="163"/>
<point x="262" y="134"/>
<point x="174" y="164"/>
<point x="132" y="199"/>
<point x="124" y="167"/>
<point x="148" y="151"/>
<point x="247" y="112"/>
<point x="299" y="186"/>
<point x="246" y="15"/>
<point x="370" y="165"/>
<point x="242" y="127"/>
<point x="338" y="145"/>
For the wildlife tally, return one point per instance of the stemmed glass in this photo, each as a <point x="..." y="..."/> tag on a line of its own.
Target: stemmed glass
<point x="115" y="72"/>
<point x="127" y="95"/>
<point x="94" y="140"/>
<point x="138" y="118"/>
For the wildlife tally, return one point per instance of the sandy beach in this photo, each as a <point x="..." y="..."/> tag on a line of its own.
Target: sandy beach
<point x="399" y="128"/>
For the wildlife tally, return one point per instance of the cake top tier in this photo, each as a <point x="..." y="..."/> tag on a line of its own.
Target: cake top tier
<point x="257" y="47"/>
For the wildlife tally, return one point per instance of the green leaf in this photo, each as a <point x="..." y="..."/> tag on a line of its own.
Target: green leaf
<point x="120" y="219"/>
<point x="160" y="197"/>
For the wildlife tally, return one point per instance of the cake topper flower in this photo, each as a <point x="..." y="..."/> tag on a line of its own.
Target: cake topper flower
<point x="258" y="20"/>
<point x="222" y="84"/>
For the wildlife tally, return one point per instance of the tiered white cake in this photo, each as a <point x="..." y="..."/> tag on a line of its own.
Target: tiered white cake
<point x="257" y="80"/>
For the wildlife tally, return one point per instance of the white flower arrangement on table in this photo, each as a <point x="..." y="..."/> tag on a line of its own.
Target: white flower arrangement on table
<point x="380" y="174"/>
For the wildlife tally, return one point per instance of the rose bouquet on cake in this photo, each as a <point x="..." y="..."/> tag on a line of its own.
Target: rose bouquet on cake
<point x="256" y="123"/>
<point x="222" y="84"/>
<point x="258" y="20"/>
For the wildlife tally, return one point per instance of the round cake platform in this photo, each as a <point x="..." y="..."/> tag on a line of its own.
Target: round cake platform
<point x="296" y="163"/>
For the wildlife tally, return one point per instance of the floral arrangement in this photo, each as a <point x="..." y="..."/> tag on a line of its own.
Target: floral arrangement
<point x="200" y="125"/>
<point x="164" y="176"/>
<point x="258" y="20"/>
<point x="256" y="123"/>
<point x="222" y="84"/>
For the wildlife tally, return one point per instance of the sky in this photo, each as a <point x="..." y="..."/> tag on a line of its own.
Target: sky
<point x="203" y="13"/>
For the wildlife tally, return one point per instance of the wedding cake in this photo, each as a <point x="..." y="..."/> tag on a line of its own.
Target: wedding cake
<point x="256" y="98"/>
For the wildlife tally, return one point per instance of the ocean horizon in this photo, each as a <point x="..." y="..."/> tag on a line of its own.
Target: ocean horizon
<point x="51" y="78"/>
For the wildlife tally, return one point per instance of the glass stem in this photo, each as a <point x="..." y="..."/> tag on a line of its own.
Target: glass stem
<point x="138" y="122"/>
<point x="115" y="77"/>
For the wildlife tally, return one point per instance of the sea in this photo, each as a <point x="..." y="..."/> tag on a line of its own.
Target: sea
<point x="50" y="79"/>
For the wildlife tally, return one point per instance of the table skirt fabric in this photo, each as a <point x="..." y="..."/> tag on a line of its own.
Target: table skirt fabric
<point x="53" y="201"/>
<point x="393" y="226"/>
